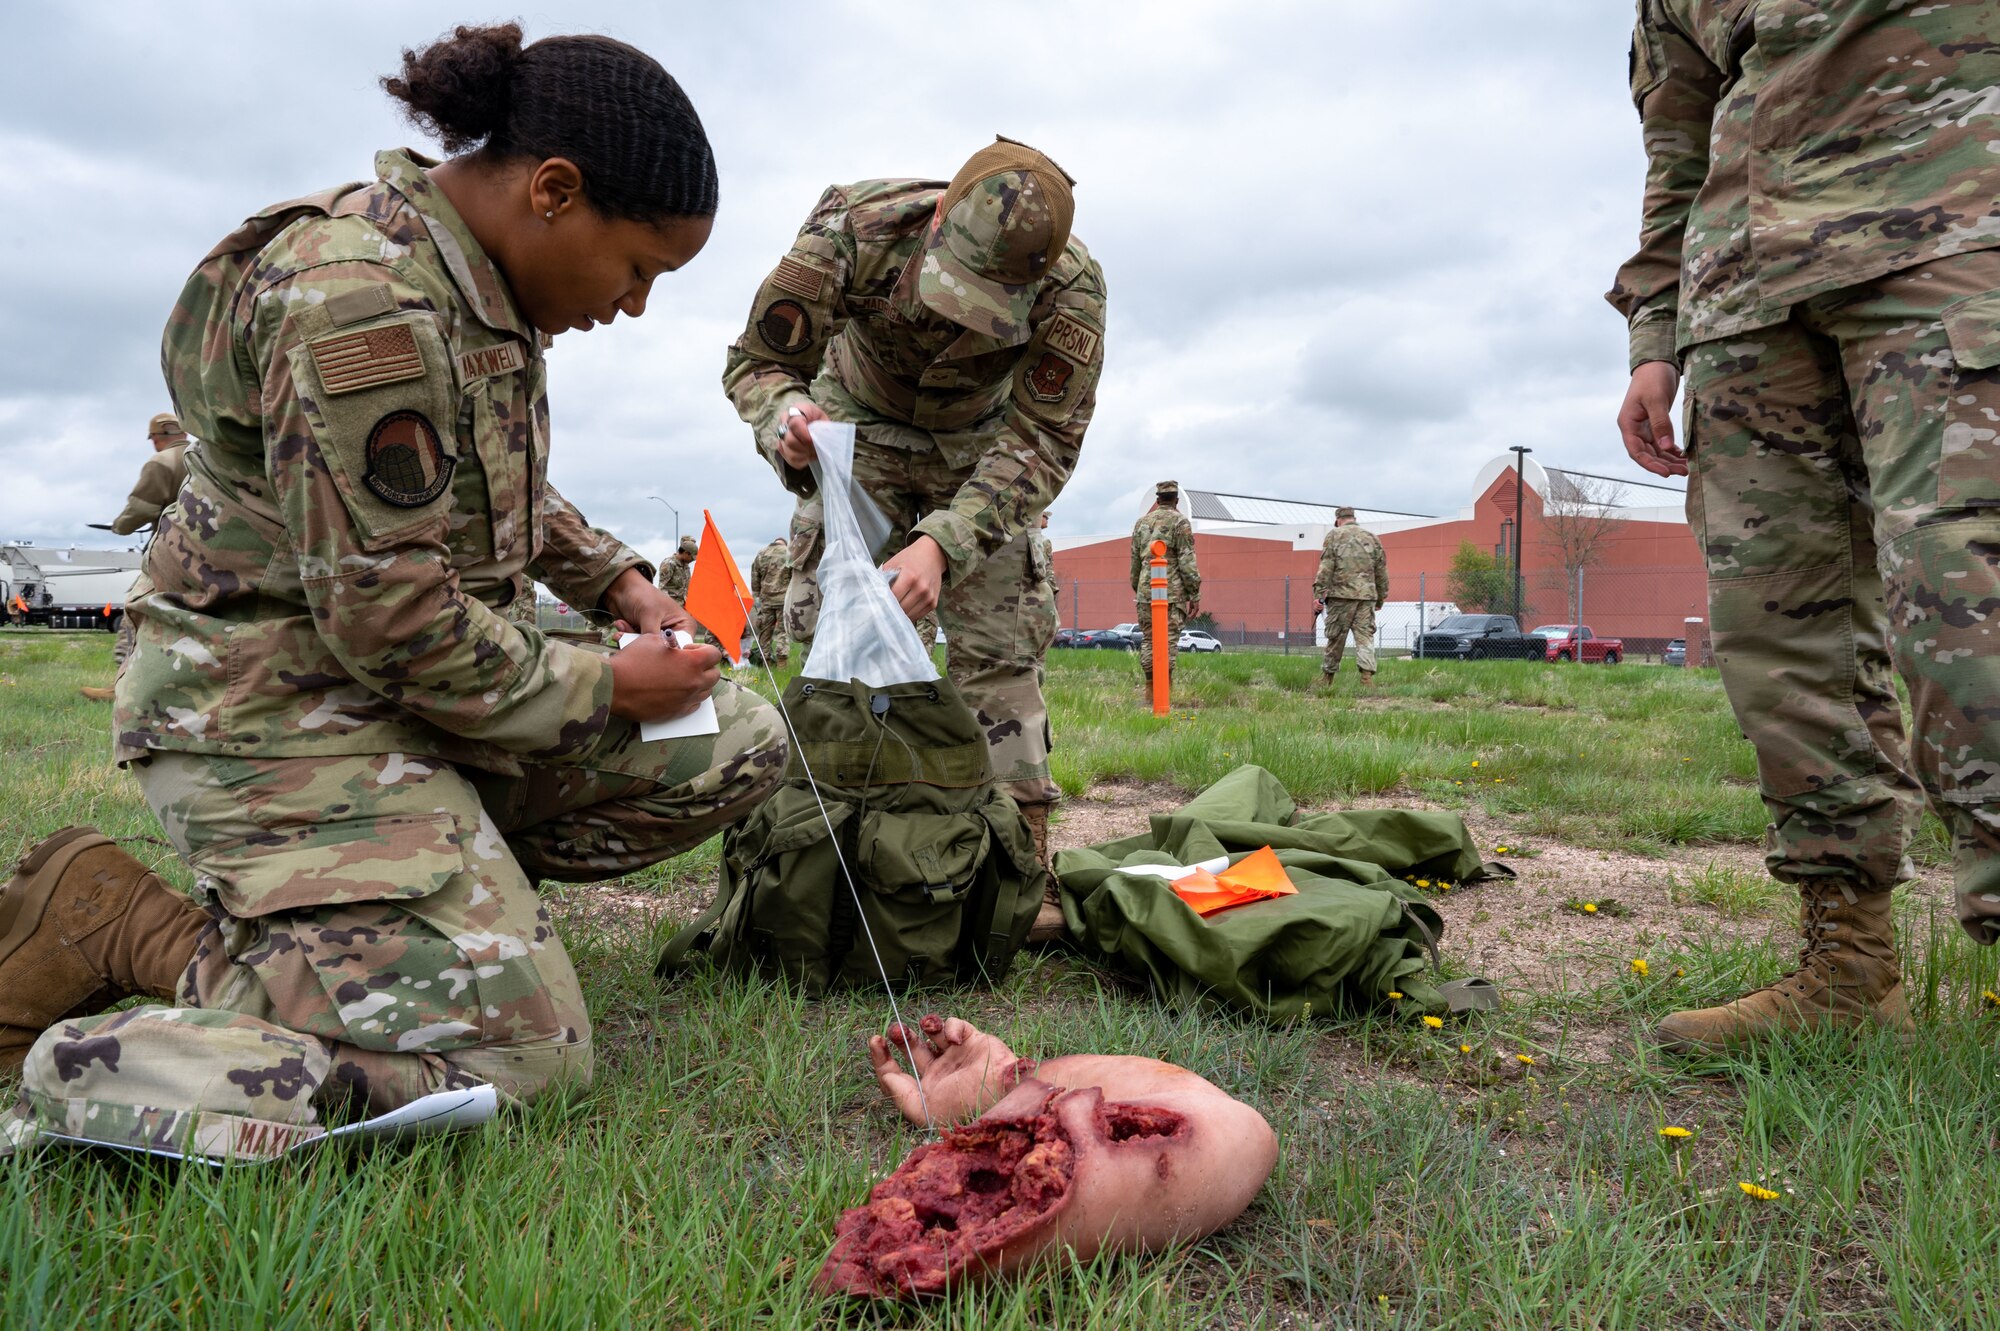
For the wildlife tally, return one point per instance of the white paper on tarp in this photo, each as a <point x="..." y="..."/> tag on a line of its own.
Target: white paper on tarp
<point x="425" y="1116"/>
<point x="1173" y="873"/>
<point x="701" y="721"/>
<point x="862" y="632"/>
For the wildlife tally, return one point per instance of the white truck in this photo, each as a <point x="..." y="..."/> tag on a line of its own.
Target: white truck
<point x="65" y="587"/>
<point x="1398" y="624"/>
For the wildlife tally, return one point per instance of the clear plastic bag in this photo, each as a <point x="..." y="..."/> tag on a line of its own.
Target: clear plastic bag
<point x="863" y="634"/>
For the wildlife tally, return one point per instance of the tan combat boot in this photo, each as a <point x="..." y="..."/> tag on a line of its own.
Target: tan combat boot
<point x="96" y="693"/>
<point x="82" y="926"/>
<point x="1847" y="976"/>
<point x="1368" y="679"/>
<point x="1048" y="925"/>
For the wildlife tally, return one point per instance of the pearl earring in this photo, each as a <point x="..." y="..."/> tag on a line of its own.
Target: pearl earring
<point x="550" y="214"/>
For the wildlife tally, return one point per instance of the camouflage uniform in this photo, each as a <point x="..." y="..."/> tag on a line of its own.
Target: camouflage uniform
<point x="770" y="578"/>
<point x="1822" y="204"/>
<point x="526" y="608"/>
<point x="675" y="571"/>
<point x="366" y="764"/>
<point x="964" y="433"/>
<point x="1352" y="581"/>
<point x="158" y="484"/>
<point x="1163" y="522"/>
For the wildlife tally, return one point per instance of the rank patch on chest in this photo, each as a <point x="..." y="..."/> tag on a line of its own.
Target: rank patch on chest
<point x="485" y="362"/>
<point x="1049" y="380"/>
<point x="800" y="279"/>
<point x="1073" y="339"/>
<point x="366" y="358"/>
<point x="785" y="326"/>
<point x="407" y="466"/>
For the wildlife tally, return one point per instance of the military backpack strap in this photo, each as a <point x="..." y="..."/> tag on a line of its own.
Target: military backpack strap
<point x="697" y="935"/>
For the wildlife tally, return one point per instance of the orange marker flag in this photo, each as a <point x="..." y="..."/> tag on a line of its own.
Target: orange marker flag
<point x="1256" y="877"/>
<point x="718" y="597"/>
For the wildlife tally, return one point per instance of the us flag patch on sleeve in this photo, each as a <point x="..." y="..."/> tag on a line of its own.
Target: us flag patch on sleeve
<point x="367" y="358"/>
<point x="801" y="279"/>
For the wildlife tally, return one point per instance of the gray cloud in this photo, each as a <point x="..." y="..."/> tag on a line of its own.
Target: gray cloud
<point x="1352" y="251"/>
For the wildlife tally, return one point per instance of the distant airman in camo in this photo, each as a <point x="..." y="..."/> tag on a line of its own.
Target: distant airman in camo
<point x="1165" y="522"/>
<point x="770" y="578"/>
<point x="158" y="484"/>
<point x="674" y="571"/>
<point x="1820" y="253"/>
<point x="1350" y="586"/>
<point x="368" y="767"/>
<point x="960" y="327"/>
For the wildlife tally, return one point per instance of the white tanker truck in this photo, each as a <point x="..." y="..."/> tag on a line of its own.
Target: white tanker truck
<point x="65" y="587"/>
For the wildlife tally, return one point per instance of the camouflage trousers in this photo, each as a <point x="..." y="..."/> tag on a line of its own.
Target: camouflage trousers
<point x="376" y="933"/>
<point x="927" y="631"/>
<point x="768" y="621"/>
<point x="126" y="643"/>
<point x="1342" y="618"/>
<point x="1176" y="621"/>
<point x="998" y="620"/>
<point x="1845" y="489"/>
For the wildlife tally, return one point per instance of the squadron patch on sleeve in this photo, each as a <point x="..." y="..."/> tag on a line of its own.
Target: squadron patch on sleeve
<point x="367" y="358"/>
<point x="407" y="466"/>
<point x="785" y="327"/>
<point x="1049" y="380"/>
<point x="1074" y="340"/>
<point x="801" y="279"/>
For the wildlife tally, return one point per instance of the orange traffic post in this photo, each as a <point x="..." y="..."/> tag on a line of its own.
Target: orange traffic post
<point x="1162" y="650"/>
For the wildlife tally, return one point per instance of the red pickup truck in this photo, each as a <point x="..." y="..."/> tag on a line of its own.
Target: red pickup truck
<point x="1571" y="642"/>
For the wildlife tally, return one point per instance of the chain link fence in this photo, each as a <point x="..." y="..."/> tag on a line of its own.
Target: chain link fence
<point x="1648" y="608"/>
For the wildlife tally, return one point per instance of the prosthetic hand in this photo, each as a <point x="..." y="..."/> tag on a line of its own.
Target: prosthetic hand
<point x="1089" y="1153"/>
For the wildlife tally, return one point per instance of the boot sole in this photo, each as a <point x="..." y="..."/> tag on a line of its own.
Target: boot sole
<point x="1892" y="1012"/>
<point x="21" y="909"/>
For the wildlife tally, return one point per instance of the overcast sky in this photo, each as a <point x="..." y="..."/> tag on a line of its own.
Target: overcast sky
<point x="1352" y="250"/>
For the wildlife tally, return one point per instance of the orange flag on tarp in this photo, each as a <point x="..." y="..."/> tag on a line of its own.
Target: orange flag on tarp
<point x="1258" y="876"/>
<point x="718" y="597"/>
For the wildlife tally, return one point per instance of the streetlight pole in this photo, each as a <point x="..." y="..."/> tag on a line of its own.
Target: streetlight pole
<point x="1520" y="452"/>
<point x="677" y="517"/>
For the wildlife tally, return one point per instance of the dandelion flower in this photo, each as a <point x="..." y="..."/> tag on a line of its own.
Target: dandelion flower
<point x="1761" y="1194"/>
<point x="1465" y="1049"/>
<point x="1992" y="999"/>
<point x="1526" y="1060"/>
<point x="1499" y="850"/>
<point x="1590" y="908"/>
<point x="1640" y="968"/>
<point x="1395" y="993"/>
<point x="1675" y="1133"/>
<point x="1423" y="882"/>
<point x="1679" y="971"/>
<point x="1475" y="762"/>
<point x="1435" y="1023"/>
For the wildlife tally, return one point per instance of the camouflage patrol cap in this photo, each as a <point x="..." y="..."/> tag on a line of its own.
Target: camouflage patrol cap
<point x="1001" y="224"/>
<point x="689" y="545"/>
<point x="165" y="423"/>
<point x="1165" y="488"/>
<point x="1343" y="512"/>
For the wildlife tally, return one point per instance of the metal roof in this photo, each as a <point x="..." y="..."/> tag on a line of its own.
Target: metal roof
<point x="1217" y="506"/>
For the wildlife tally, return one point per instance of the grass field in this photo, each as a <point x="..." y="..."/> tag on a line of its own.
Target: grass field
<point x="1417" y="1186"/>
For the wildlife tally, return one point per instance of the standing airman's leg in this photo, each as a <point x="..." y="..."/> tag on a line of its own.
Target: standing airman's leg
<point x="802" y="592"/>
<point x="1339" y="623"/>
<point x="1364" y="640"/>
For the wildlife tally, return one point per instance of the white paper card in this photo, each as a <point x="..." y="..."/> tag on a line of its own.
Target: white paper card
<point x="701" y="721"/>
<point x="1173" y="873"/>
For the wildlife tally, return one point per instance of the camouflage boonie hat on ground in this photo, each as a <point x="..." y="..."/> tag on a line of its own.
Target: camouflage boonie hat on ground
<point x="165" y="423"/>
<point x="1004" y="220"/>
<point x="127" y="1079"/>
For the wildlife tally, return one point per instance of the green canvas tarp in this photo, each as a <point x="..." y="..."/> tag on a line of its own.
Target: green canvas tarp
<point x="1355" y="932"/>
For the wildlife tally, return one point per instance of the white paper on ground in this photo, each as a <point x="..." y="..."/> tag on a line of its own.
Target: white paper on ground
<point x="1173" y="873"/>
<point x="701" y="721"/>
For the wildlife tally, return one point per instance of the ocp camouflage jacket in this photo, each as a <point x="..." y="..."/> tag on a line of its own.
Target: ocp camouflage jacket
<point x="1352" y="567"/>
<point x="370" y="491"/>
<point x="1799" y="146"/>
<point x="838" y="322"/>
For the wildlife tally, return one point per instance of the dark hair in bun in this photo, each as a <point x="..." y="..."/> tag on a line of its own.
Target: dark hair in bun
<point x="605" y="106"/>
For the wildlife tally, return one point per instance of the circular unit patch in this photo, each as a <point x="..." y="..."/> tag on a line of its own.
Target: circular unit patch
<point x="407" y="466"/>
<point x="785" y="327"/>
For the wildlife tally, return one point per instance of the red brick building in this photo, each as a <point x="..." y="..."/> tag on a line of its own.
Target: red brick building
<point x="1258" y="558"/>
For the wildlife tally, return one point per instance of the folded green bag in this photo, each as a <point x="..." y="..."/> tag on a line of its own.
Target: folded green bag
<point x="1354" y="933"/>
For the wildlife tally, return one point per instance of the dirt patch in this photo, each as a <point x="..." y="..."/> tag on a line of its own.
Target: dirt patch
<point x="1110" y="810"/>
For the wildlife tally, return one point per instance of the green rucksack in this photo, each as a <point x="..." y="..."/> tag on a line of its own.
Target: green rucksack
<point x="943" y="863"/>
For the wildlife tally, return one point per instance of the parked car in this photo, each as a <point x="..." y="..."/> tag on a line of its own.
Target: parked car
<point x="1481" y="638"/>
<point x="1107" y="639"/>
<point x="1194" y="640"/>
<point x="1676" y="653"/>
<point x="1066" y="638"/>
<point x="1572" y="642"/>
